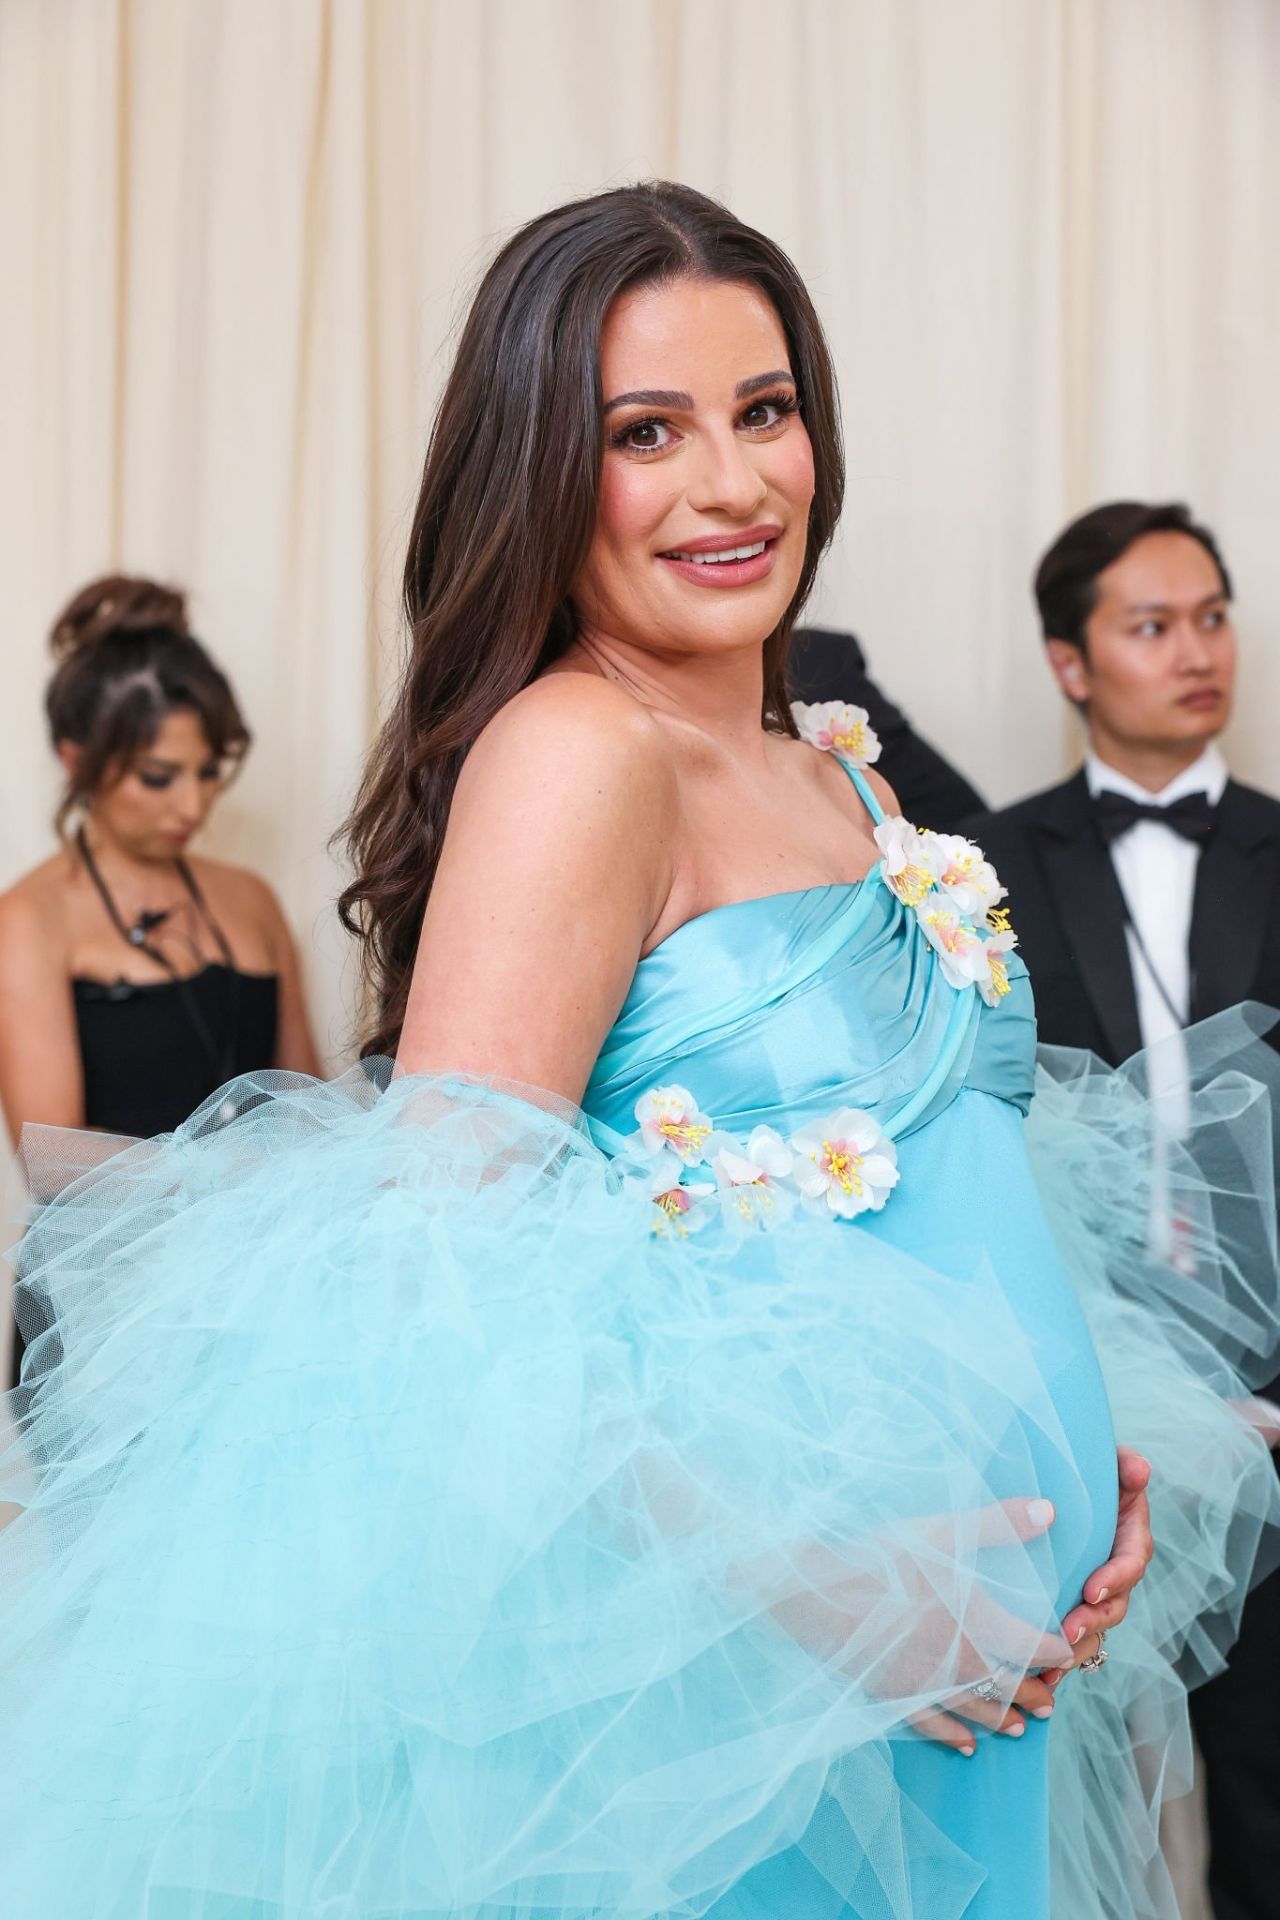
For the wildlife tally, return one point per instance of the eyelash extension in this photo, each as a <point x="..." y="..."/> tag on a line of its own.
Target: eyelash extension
<point x="783" y="403"/>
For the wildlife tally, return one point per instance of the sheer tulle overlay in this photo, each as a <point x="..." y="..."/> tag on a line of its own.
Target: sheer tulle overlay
<point x="1168" y="1226"/>
<point x="400" y="1527"/>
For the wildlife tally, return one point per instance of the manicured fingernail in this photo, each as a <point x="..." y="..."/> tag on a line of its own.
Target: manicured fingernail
<point x="1040" y="1512"/>
<point x="1016" y="1731"/>
<point x="1078" y="1636"/>
<point x="968" y="1752"/>
<point x="1042" y="1713"/>
<point x="1104" y="1593"/>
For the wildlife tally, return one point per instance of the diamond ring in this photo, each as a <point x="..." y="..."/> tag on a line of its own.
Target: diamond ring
<point x="1098" y="1659"/>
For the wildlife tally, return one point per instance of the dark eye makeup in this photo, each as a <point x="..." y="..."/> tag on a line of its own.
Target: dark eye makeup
<point x="156" y="779"/>
<point x="779" y="404"/>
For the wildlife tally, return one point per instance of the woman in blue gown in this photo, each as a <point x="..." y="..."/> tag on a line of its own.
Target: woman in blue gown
<point x="652" y="1453"/>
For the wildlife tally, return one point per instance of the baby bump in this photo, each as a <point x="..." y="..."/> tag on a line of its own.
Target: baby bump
<point x="967" y="1201"/>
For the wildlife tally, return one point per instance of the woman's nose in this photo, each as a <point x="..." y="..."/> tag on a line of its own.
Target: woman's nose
<point x="726" y="479"/>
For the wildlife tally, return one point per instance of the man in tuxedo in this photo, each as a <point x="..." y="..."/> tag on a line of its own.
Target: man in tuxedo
<point x="1146" y="894"/>
<point x="829" y="665"/>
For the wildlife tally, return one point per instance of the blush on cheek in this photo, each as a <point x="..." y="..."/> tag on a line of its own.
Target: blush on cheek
<point x="631" y="507"/>
<point x="633" y="503"/>
<point x="793" y="476"/>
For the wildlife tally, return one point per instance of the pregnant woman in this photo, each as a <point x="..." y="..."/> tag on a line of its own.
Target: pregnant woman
<point x="645" y="1454"/>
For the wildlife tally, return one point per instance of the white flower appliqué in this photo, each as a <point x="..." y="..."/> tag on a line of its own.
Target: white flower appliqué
<point x="840" y="1167"/>
<point x="952" y="888"/>
<point x="681" y="1206"/>
<point x="852" y="1165"/>
<point x="998" y="945"/>
<point x="964" y="874"/>
<point x="669" y="1118"/>
<point x="910" y="861"/>
<point x="836" y="727"/>
<point x="752" y="1179"/>
<point x="960" y="948"/>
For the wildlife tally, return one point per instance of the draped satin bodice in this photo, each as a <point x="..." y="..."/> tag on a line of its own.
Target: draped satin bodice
<point x="788" y="1006"/>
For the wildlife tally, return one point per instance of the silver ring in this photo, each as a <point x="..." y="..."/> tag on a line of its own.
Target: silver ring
<point x="1097" y="1660"/>
<point x="987" y="1690"/>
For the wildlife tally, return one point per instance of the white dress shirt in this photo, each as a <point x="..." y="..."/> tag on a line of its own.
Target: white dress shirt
<point x="1156" y="868"/>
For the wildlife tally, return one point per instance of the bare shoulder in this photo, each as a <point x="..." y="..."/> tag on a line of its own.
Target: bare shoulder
<point x="568" y="726"/>
<point x="883" y="792"/>
<point x="33" y="911"/>
<point x="556" y="863"/>
<point x="575" y="755"/>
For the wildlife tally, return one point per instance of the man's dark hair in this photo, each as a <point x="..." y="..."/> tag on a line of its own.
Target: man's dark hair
<point x="1066" y="582"/>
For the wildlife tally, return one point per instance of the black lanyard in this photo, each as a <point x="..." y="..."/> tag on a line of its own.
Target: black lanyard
<point x="222" y="1058"/>
<point x="1180" y="1020"/>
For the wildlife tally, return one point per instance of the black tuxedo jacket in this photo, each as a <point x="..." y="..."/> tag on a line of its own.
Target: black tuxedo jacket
<point x="1067" y="909"/>
<point x="829" y="665"/>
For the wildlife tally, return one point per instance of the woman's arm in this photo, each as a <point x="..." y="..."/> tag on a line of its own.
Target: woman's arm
<point x="557" y="862"/>
<point x="41" y="1078"/>
<point x="295" y="1047"/>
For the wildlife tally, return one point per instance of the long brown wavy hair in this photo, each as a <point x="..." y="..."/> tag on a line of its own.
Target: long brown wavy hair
<point x="506" y="512"/>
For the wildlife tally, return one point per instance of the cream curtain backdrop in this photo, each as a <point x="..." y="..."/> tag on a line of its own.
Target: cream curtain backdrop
<point x="237" y="233"/>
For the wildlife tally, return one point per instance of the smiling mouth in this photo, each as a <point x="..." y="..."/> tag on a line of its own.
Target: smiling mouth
<point x="725" y="556"/>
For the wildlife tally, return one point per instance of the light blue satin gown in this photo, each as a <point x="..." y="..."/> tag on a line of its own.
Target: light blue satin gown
<point x="412" y="1520"/>
<point x="777" y="1008"/>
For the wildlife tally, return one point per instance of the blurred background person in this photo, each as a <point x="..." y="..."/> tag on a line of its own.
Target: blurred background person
<point x="1145" y="891"/>
<point x="829" y="664"/>
<point x="136" y="978"/>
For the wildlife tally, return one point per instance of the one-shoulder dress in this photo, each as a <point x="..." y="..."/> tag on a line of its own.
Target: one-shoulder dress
<point x="441" y="1501"/>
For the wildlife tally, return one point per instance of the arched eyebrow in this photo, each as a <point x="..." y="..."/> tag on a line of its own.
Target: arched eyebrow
<point x="681" y="402"/>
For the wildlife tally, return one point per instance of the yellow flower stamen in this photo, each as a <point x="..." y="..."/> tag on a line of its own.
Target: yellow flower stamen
<point x="998" y="920"/>
<point x="842" y="1164"/>
<point x="684" y="1134"/>
<point x="954" y="937"/>
<point x="1000" y="977"/>
<point x="913" y="885"/>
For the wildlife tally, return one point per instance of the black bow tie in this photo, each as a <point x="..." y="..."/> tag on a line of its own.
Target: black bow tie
<point x="1115" y="813"/>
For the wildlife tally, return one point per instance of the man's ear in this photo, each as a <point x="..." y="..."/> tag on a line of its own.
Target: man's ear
<point x="1070" y="669"/>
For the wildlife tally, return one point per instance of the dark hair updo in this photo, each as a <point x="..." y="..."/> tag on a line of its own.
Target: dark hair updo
<point x="127" y="659"/>
<point x="507" y="510"/>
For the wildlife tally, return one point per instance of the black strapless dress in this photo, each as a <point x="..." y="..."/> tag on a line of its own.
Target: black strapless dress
<point x="151" y="1053"/>
<point x="144" y="1068"/>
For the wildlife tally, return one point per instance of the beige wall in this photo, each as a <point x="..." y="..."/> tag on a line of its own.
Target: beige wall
<point x="234" y="235"/>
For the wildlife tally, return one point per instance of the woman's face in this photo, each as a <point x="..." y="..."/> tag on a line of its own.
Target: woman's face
<point x="705" y="455"/>
<point x="163" y="798"/>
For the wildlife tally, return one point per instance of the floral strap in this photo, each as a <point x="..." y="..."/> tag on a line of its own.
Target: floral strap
<point x="945" y="880"/>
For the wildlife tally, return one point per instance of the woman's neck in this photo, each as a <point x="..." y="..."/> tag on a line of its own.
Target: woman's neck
<point x="122" y="867"/>
<point x="720" y="694"/>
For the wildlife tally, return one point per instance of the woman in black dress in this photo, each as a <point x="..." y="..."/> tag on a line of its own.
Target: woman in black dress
<point x="135" y="978"/>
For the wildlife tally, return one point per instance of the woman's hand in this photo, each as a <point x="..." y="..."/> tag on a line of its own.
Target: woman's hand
<point x="1106" y="1592"/>
<point x="1105" y="1604"/>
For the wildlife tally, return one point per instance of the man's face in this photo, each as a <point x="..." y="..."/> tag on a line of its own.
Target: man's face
<point x="1158" y="668"/>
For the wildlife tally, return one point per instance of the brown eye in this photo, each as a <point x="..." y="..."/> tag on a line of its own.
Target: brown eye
<point x="763" y="415"/>
<point x="643" y="436"/>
